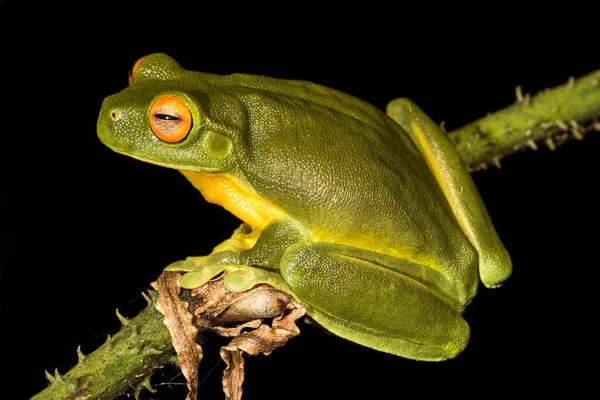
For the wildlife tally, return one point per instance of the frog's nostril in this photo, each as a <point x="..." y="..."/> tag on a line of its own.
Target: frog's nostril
<point x="114" y="115"/>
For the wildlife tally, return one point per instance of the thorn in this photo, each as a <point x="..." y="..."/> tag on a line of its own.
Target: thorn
<point x="523" y="100"/>
<point x="108" y="342"/>
<point x="443" y="126"/>
<point x="519" y="94"/>
<point x="496" y="161"/>
<point x="49" y="376"/>
<point x="550" y="143"/>
<point x="576" y="130"/>
<point x="143" y="384"/>
<point x="532" y="145"/>
<point x="148" y="299"/>
<point x="150" y="351"/>
<point x="561" y="125"/>
<point x="80" y="355"/>
<point x="134" y="332"/>
<point x="124" y="321"/>
<point x="571" y="82"/>
<point x="57" y="377"/>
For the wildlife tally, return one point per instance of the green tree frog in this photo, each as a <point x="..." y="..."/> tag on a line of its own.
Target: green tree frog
<point x="368" y="219"/>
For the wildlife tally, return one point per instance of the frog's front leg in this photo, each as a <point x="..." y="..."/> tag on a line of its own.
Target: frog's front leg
<point x="382" y="302"/>
<point x="201" y="269"/>
<point x="250" y="257"/>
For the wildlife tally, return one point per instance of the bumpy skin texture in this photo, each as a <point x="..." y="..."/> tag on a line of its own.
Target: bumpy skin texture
<point x="382" y="259"/>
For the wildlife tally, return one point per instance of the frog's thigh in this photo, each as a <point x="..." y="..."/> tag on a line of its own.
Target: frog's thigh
<point x="458" y="186"/>
<point x="373" y="305"/>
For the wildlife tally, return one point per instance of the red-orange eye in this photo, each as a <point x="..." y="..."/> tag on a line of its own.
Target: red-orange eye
<point x="134" y="69"/>
<point x="170" y="119"/>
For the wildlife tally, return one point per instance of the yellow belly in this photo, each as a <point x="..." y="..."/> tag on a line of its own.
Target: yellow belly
<point x="239" y="199"/>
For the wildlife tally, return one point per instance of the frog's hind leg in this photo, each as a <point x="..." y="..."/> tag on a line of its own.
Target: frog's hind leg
<point x="374" y="301"/>
<point x="447" y="167"/>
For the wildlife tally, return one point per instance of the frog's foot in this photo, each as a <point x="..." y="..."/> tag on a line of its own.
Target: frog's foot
<point x="238" y="278"/>
<point x="199" y="270"/>
<point x="246" y="260"/>
<point x="188" y="265"/>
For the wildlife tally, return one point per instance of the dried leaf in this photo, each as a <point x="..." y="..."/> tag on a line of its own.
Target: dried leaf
<point x="178" y="321"/>
<point x="263" y="340"/>
<point x="213" y="305"/>
<point x="233" y="377"/>
<point x="237" y="330"/>
<point x="212" y="308"/>
<point x="288" y="321"/>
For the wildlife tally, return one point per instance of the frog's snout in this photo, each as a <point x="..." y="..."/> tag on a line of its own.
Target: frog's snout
<point x="110" y="122"/>
<point x="110" y="110"/>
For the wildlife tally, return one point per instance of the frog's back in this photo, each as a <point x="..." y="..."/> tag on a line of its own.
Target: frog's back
<point x="348" y="172"/>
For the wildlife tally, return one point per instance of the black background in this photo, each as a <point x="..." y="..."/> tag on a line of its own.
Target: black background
<point x="84" y="230"/>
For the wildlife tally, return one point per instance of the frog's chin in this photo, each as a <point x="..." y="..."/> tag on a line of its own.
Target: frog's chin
<point x="206" y="169"/>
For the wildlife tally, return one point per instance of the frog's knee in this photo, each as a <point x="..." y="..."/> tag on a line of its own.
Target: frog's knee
<point x="290" y="266"/>
<point x="402" y="111"/>
<point x="400" y="104"/>
<point x="301" y="260"/>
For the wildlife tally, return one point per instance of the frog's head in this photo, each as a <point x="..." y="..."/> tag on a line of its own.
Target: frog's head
<point x="161" y="118"/>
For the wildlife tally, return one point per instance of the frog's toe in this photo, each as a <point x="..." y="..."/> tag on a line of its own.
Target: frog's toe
<point x="238" y="281"/>
<point x="187" y="265"/>
<point x="193" y="280"/>
<point x="242" y="278"/>
<point x="176" y="266"/>
<point x="198" y="277"/>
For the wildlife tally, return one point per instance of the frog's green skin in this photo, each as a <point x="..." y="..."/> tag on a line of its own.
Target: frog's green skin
<point x="370" y="221"/>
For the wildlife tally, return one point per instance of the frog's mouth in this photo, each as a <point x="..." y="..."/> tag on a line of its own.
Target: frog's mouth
<point x="204" y="169"/>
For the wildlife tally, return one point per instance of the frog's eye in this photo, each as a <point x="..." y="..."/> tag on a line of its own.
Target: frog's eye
<point x="133" y="70"/>
<point x="170" y="119"/>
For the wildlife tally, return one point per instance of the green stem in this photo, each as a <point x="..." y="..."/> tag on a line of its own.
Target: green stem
<point x="564" y="109"/>
<point x="144" y="344"/>
<point x="126" y="360"/>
